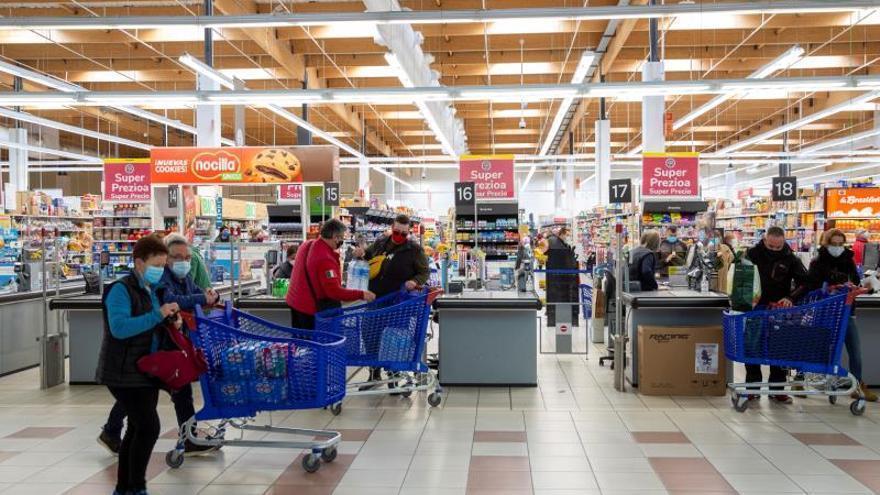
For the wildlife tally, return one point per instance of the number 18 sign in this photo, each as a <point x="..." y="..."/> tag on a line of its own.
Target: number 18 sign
<point x="784" y="189"/>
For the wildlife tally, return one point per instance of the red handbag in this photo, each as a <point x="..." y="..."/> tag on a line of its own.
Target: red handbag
<point x="175" y="368"/>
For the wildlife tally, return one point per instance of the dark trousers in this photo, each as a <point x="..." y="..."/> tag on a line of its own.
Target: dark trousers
<point x="139" y="404"/>
<point x="854" y="349"/>
<point x="777" y="375"/>
<point x="301" y="320"/>
<point x="183" y="409"/>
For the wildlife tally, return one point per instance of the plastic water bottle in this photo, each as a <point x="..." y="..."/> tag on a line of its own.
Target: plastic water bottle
<point x="704" y="284"/>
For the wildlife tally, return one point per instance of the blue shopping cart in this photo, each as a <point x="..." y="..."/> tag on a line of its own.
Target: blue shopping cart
<point x="388" y="333"/>
<point x="808" y="337"/>
<point x="255" y="365"/>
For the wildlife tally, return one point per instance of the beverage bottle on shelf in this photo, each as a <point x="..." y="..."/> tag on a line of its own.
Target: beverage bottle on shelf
<point x="704" y="284"/>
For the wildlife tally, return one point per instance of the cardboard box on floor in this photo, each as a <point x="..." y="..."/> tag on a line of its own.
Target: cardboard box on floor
<point x="682" y="361"/>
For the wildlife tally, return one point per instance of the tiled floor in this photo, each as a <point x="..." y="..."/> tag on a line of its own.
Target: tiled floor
<point x="572" y="435"/>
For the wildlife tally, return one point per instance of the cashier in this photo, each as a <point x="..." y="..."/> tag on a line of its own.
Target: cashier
<point x="673" y="251"/>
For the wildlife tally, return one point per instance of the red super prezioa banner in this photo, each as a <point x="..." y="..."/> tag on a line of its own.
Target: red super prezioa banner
<point x="671" y="174"/>
<point x="492" y="175"/>
<point x="127" y="181"/>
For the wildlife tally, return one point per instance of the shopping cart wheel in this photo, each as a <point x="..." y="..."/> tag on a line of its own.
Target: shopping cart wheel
<point x="174" y="459"/>
<point x="311" y="463"/>
<point x="328" y="454"/>
<point x="832" y="399"/>
<point x="739" y="402"/>
<point x="336" y="409"/>
<point x="857" y="407"/>
<point x="434" y="399"/>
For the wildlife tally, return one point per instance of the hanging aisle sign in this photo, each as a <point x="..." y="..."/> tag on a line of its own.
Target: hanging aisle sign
<point x="244" y="165"/>
<point x="290" y="192"/>
<point x="492" y="175"/>
<point x="127" y="180"/>
<point x="671" y="174"/>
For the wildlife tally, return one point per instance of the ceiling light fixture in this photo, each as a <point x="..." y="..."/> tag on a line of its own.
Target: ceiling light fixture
<point x="33" y="119"/>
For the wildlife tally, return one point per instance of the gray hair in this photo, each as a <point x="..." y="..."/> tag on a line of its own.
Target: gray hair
<point x="175" y="239"/>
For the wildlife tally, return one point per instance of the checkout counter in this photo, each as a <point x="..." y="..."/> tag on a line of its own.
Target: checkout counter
<point x="674" y="307"/>
<point x="82" y="315"/>
<point x="868" y="320"/>
<point x="488" y="338"/>
<point x="264" y="306"/>
<point x="21" y="326"/>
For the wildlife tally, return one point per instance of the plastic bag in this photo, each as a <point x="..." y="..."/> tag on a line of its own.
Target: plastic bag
<point x="744" y="286"/>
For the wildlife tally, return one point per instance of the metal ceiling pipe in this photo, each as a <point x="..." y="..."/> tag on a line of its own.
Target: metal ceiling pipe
<point x="437" y="16"/>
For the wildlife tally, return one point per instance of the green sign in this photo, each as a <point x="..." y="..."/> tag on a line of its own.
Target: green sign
<point x="316" y="201"/>
<point x="250" y="211"/>
<point x="207" y="207"/>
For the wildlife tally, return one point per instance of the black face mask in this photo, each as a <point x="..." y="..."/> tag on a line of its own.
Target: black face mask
<point x="339" y="244"/>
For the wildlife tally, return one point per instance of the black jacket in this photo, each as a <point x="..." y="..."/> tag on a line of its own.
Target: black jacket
<point x="403" y="262"/>
<point x="782" y="273"/>
<point x="117" y="362"/>
<point x="835" y="271"/>
<point x="642" y="268"/>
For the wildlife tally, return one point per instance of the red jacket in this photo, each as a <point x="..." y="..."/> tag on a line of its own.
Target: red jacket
<point x="859" y="250"/>
<point x="318" y="261"/>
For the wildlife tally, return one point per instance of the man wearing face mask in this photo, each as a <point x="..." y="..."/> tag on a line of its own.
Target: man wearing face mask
<point x="316" y="283"/>
<point x="561" y="287"/>
<point x="673" y="252"/>
<point x="175" y="287"/>
<point x="835" y="265"/>
<point x="404" y="263"/>
<point x="783" y="280"/>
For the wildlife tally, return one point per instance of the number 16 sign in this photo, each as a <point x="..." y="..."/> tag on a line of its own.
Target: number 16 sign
<point x="465" y="194"/>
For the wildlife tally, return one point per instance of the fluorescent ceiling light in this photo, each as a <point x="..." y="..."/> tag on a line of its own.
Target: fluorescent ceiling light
<point x="49" y="151"/>
<point x="33" y="119"/>
<point x="207" y="71"/>
<point x="840" y="141"/>
<point x="35" y="99"/>
<point x="580" y="74"/>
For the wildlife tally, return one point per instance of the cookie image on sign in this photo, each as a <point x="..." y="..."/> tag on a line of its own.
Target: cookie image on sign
<point x="273" y="165"/>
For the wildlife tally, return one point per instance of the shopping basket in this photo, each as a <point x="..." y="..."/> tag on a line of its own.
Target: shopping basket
<point x="586" y="292"/>
<point x="808" y="337"/>
<point x="389" y="333"/>
<point x="255" y="365"/>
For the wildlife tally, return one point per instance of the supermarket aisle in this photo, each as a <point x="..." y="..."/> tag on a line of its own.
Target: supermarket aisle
<point x="572" y="435"/>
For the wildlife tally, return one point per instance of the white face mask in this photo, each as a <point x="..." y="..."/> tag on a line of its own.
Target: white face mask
<point x="835" y="251"/>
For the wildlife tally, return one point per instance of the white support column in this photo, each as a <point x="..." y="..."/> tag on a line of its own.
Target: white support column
<point x="238" y="116"/>
<point x="18" y="165"/>
<point x="877" y="126"/>
<point x="557" y="190"/>
<point x="208" y="122"/>
<point x="603" y="160"/>
<point x="653" y="108"/>
<point x="570" y="192"/>
<point x="364" y="178"/>
<point x="389" y="187"/>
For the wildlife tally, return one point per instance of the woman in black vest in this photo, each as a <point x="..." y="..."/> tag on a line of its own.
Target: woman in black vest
<point x="132" y="316"/>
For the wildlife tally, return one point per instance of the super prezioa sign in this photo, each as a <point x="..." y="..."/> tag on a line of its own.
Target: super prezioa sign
<point x="491" y="174"/>
<point x="671" y="174"/>
<point x="127" y="180"/>
<point x="244" y="165"/>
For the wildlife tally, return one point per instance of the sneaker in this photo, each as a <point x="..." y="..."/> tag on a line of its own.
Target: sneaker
<point x="109" y="442"/>
<point x="782" y="399"/>
<point x="192" y="450"/>
<point x="754" y="397"/>
<point x="869" y="395"/>
<point x="798" y="388"/>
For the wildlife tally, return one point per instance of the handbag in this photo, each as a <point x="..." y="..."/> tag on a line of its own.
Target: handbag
<point x="177" y="367"/>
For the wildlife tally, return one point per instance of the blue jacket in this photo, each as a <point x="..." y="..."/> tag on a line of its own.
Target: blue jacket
<point x="119" y="318"/>
<point x="182" y="291"/>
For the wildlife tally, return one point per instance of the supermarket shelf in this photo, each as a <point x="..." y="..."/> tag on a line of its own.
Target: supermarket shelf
<point x="852" y="218"/>
<point x="117" y="252"/>
<point x="112" y="241"/>
<point x="747" y="215"/>
<point x="122" y="216"/>
<point x="56" y="217"/>
<point x="122" y="227"/>
<point x="509" y="229"/>
<point x="506" y="241"/>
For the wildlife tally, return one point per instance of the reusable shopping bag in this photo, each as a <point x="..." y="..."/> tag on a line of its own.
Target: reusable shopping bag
<point x="744" y="286"/>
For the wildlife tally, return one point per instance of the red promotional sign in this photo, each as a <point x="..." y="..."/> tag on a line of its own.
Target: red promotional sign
<point x="290" y="192"/>
<point x="127" y="181"/>
<point x="745" y="193"/>
<point x="671" y="174"/>
<point x="492" y="175"/>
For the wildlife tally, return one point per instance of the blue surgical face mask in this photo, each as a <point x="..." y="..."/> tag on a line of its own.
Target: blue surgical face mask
<point x="153" y="274"/>
<point x="835" y="251"/>
<point x="180" y="268"/>
<point x="673" y="239"/>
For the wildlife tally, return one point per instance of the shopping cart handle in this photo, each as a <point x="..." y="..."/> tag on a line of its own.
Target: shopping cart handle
<point x="433" y="295"/>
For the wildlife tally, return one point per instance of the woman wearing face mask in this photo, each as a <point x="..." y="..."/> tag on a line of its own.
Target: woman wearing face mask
<point x="835" y="265"/>
<point x="673" y="252"/>
<point x="726" y="256"/>
<point x="133" y="322"/>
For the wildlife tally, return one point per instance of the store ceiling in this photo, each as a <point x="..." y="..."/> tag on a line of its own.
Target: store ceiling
<point x="535" y="51"/>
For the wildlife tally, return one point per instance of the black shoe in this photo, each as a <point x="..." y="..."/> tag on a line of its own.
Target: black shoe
<point x="191" y="450"/>
<point x="109" y="442"/>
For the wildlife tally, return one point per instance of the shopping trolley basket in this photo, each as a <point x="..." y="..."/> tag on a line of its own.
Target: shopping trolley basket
<point x="389" y="333"/>
<point x="255" y="365"/>
<point x="808" y="337"/>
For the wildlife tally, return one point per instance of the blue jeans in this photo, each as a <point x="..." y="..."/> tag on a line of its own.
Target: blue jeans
<point x="183" y="409"/>
<point x="854" y="349"/>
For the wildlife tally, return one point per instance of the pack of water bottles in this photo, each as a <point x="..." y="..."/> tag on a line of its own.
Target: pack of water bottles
<point x="254" y="372"/>
<point x="358" y="275"/>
